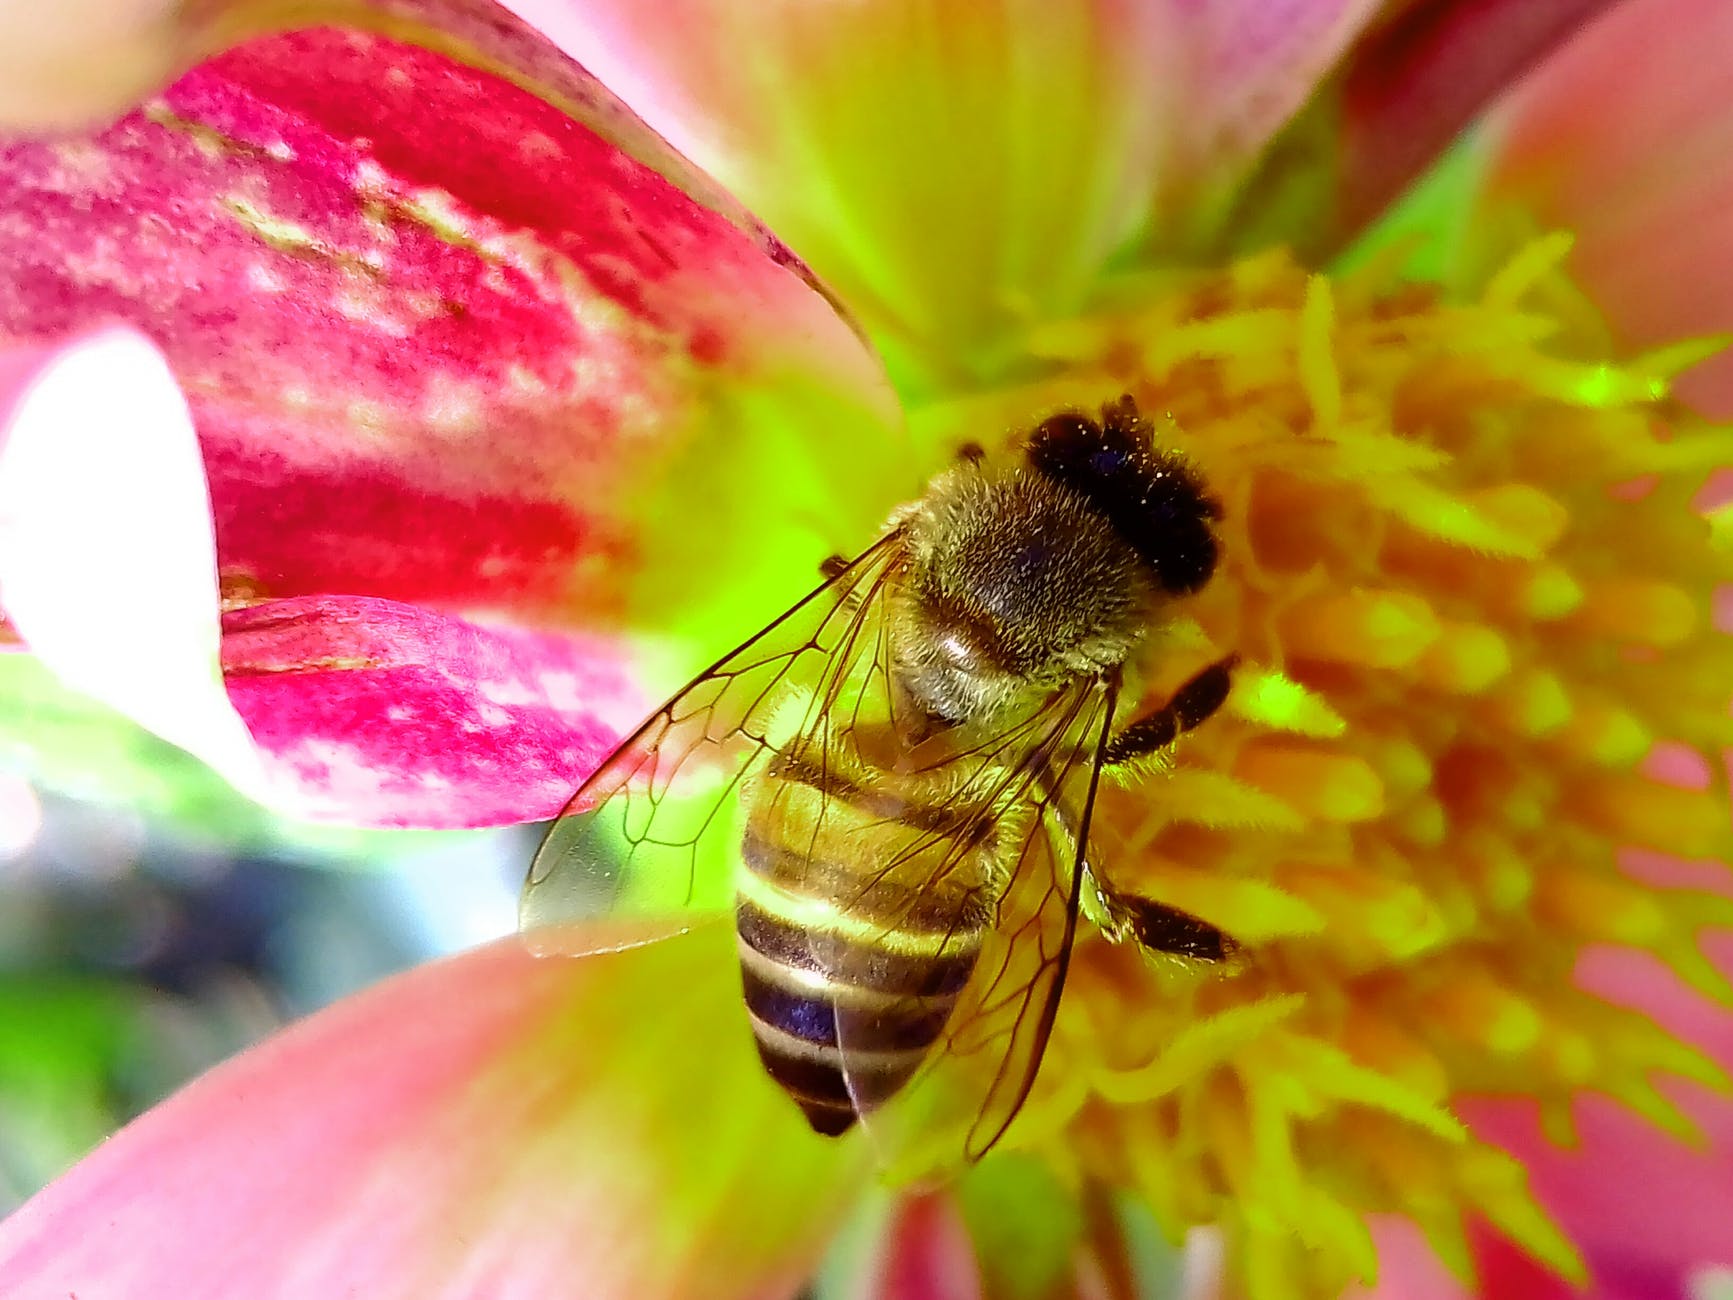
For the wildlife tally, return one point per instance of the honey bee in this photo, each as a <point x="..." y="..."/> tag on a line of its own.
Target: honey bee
<point x="914" y="751"/>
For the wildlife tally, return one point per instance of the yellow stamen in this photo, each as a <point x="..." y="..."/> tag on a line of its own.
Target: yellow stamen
<point x="1469" y="592"/>
<point x="1332" y="787"/>
<point x="1282" y="703"/>
<point x="1317" y="367"/>
<point x="1372" y="629"/>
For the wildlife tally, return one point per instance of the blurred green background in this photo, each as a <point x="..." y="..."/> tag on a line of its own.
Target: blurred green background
<point x="153" y="922"/>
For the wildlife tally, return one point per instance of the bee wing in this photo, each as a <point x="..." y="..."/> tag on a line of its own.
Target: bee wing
<point x="639" y="840"/>
<point x="980" y="1071"/>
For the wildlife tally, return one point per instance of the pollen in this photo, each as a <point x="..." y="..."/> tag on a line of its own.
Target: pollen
<point x="1470" y="585"/>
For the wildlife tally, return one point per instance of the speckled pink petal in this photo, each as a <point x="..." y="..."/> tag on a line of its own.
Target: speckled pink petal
<point x="386" y="714"/>
<point x="490" y="1126"/>
<point x="450" y="342"/>
<point x="347" y="708"/>
<point x="1626" y="138"/>
<point x="952" y="168"/>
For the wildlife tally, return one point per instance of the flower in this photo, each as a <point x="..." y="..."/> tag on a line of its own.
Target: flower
<point x="1462" y="568"/>
<point x="429" y="632"/>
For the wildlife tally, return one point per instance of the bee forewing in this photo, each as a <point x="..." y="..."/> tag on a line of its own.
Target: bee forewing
<point x="609" y="934"/>
<point x="640" y="853"/>
<point x="984" y="1063"/>
<point x="653" y="835"/>
<point x="982" y="1068"/>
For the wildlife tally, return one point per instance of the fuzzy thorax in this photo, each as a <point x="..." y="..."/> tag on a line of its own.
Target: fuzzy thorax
<point x="1014" y="586"/>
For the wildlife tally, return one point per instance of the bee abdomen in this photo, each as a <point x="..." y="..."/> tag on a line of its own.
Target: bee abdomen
<point x="799" y="983"/>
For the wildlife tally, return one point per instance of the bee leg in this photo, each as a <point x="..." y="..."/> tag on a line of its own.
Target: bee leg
<point x="1157" y="927"/>
<point x="1188" y="707"/>
<point x="1153" y="926"/>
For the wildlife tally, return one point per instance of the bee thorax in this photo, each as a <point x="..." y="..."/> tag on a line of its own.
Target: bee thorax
<point x="1014" y="586"/>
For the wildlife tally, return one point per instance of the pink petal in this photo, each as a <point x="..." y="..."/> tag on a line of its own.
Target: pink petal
<point x="1626" y="138"/>
<point x="385" y="714"/>
<point x="1407" y="1267"/>
<point x="443" y="342"/>
<point x="1504" y="1272"/>
<point x="1252" y="64"/>
<point x="926" y="1253"/>
<point x="492" y="1125"/>
<point x="367" y="711"/>
<point x="107" y="563"/>
<point x="1646" y="1208"/>
<point x="951" y="168"/>
<point x="1647" y="1211"/>
<point x="1414" y="83"/>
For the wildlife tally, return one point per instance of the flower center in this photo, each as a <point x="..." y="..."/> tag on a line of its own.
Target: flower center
<point x="1471" y="596"/>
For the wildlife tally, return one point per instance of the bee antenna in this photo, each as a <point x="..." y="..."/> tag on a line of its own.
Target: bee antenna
<point x="1121" y="416"/>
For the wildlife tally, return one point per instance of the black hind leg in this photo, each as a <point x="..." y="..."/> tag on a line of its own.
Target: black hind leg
<point x="1188" y="707"/>
<point x="1156" y="927"/>
<point x="1153" y="925"/>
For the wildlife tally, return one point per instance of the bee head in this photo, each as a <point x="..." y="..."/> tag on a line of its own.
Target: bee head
<point x="1154" y="499"/>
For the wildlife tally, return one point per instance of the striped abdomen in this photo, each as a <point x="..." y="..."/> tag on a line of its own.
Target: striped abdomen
<point x="859" y="911"/>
